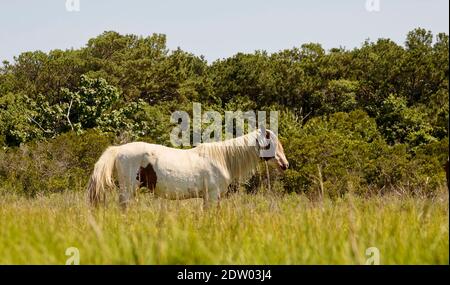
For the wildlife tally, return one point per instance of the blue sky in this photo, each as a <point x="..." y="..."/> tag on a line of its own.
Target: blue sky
<point x="215" y="29"/>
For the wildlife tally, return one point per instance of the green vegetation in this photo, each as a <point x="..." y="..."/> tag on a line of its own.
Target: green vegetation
<point x="246" y="229"/>
<point x="372" y="119"/>
<point x="365" y="132"/>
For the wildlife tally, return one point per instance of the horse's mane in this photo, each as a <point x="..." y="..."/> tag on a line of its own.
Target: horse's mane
<point x="239" y="156"/>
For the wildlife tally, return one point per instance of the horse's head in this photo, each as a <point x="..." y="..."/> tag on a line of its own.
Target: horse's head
<point x="270" y="148"/>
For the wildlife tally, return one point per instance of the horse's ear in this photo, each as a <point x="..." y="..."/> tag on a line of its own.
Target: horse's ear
<point x="263" y="129"/>
<point x="260" y="138"/>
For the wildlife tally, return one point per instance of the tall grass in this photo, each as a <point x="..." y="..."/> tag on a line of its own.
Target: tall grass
<point x="246" y="229"/>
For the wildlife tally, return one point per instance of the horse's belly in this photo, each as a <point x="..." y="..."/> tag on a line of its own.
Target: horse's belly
<point x="178" y="184"/>
<point x="173" y="190"/>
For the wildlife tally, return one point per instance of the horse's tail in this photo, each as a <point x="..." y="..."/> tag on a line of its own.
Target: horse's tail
<point x="102" y="175"/>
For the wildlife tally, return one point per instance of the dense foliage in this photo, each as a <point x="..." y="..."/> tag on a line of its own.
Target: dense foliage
<point x="374" y="118"/>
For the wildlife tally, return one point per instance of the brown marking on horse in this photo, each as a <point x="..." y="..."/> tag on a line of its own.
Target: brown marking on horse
<point x="147" y="177"/>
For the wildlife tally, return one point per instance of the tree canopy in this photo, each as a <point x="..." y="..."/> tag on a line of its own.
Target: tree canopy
<point x="381" y="98"/>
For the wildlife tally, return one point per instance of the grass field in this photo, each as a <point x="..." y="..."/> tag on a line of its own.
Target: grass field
<point x="246" y="229"/>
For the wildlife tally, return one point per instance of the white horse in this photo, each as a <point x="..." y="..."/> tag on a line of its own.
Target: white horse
<point x="205" y="171"/>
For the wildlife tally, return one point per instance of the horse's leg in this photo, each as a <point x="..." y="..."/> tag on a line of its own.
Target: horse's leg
<point x="124" y="195"/>
<point x="206" y="194"/>
<point x="124" y="183"/>
<point x="131" y="182"/>
<point x="206" y="203"/>
<point x="214" y="196"/>
<point x="134" y="186"/>
<point x="211" y="197"/>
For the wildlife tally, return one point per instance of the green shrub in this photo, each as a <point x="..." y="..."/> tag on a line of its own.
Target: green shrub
<point x="345" y="152"/>
<point x="59" y="164"/>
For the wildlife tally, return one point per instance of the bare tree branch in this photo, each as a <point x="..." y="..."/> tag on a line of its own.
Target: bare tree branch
<point x="68" y="114"/>
<point x="39" y="125"/>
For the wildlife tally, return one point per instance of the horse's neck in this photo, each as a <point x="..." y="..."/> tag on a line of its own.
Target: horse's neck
<point x="239" y="155"/>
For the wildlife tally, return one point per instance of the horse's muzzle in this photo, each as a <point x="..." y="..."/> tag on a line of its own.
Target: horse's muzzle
<point x="284" y="166"/>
